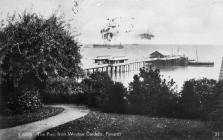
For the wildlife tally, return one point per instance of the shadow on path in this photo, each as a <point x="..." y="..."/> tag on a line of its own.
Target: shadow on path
<point x="31" y="130"/>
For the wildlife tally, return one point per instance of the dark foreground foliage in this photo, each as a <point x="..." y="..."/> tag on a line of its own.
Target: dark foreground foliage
<point x="150" y="94"/>
<point x="198" y="98"/>
<point x="63" y="90"/>
<point x="12" y="119"/>
<point x="217" y="115"/>
<point x="94" y="87"/>
<point x="117" y="126"/>
<point x="101" y="92"/>
<point x="115" y="100"/>
<point x="33" y="50"/>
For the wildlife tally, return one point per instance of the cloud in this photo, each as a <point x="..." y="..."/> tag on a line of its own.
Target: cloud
<point x="188" y="24"/>
<point x="171" y="21"/>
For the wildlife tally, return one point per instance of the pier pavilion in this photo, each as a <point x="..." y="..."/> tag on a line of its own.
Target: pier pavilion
<point x="107" y="59"/>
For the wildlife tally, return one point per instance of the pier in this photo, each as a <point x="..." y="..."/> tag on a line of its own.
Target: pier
<point x="119" y="67"/>
<point x="123" y="64"/>
<point x="136" y="64"/>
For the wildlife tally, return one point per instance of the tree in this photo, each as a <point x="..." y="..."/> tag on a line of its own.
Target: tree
<point x="198" y="97"/>
<point x="36" y="49"/>
<point x="189" y="101"/>
<point x="217" y="111"/>
<point x="136" y="90"/>
<point x="115" y="98"/>
<point x="136" y="96"/>
<point x="95" y="86"/>
<point x="152" y="95"/>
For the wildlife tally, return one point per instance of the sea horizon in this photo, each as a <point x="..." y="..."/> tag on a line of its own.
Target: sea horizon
<point x="180" y="74"/>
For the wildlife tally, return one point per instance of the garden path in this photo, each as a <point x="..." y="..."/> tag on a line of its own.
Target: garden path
<point x="31" y="130"/>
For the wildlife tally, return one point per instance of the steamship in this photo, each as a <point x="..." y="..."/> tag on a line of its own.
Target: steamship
<point x="108" y="46"/>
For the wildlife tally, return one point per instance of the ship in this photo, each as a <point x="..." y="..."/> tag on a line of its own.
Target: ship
<point x="199" y="63"/>
<point x="117" y="46"/>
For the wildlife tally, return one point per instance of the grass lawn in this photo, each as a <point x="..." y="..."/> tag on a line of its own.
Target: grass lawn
<point x="98" y="125"/>
<point x="14" y="120"/>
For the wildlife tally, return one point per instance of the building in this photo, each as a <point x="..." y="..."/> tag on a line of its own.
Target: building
<point x="221" y="71"/>
<point x="158" y="54"/>
<point x="102" y="59"/>
<point x="117" y="59"/>
<point x="110" y="60"/>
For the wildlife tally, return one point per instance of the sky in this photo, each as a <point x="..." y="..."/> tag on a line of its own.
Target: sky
<point x="170" y="21"/>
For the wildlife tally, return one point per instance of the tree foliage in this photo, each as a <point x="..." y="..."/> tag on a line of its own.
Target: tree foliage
<point x="35" y="49"/>
<point x="150" y="94"/>
<point x="43" y="47"/>
<point x="217" y="111"/>
<point x="115" y="98"/>
<point x="95" y="86"/>
<point x="198" y="98"/>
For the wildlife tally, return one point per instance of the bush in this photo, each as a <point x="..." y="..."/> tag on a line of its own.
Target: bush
<point x="15" y="99"/>
<point x="189" y="101"/>
<point x="149" y="94"/>
<point x="217" y="114"/>
<point x="101" y="92"/>
<point x="136" y="97"/>
<point x="24" y="101"/>
<point x="63" y="90"/>
<point x="198" y="98"/>
<point x="115" y="100"/>
<point x="95" y="86"/>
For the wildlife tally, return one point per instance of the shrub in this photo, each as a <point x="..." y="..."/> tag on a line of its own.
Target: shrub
<point x="198" y="98"/>
<point x="189" y="101"/>
<point x="115" y="100"/>
<point x="149" y="94"/>
<point x="63" y="90"/>
<point x="217" y="114"/>
<point x="24" y="101"/>
<point x="137" y="96"/>
<point x="95" y="86"/>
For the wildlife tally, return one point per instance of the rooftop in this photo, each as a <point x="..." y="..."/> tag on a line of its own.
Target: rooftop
<point x="103" y="57"/>
<point x="119" y="58"/>
<point x="108" y="57"/>
<point x="165" y="53"/>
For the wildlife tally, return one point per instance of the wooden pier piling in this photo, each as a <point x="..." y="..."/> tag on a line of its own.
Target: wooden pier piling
<point x="135" y="65"/>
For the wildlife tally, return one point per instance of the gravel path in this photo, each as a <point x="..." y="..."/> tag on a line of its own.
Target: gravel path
<point x="30" y="131"/>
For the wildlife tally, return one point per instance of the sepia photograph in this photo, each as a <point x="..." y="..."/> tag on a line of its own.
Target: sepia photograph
<point x="111" y="69"/>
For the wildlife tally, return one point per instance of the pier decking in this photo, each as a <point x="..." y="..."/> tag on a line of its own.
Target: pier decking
<point x="131" y="65"/>
<point x="120" y="67"/>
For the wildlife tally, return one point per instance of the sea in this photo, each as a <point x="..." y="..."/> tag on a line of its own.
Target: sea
<point x="204" y="53"/>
